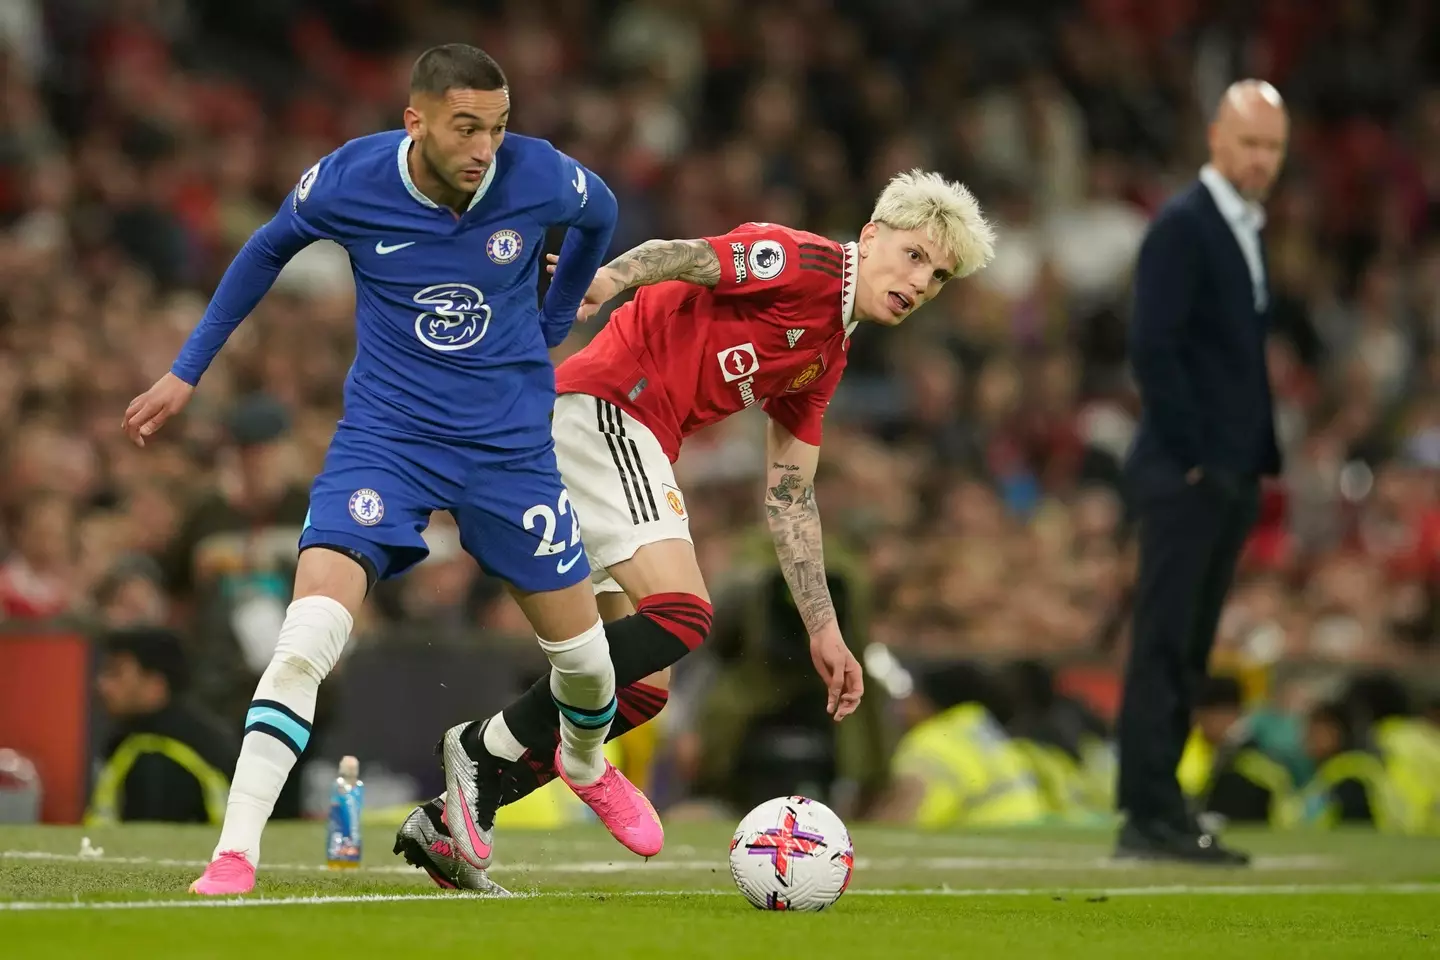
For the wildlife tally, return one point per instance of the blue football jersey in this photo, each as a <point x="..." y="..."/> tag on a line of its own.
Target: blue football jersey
<point x="450" y="340"/>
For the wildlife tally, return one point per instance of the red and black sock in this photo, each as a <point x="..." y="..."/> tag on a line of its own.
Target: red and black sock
<point x="663" y="620"/>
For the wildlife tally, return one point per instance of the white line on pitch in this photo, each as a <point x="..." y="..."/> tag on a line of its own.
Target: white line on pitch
<point x="46" y="855"/>
<point x="35" y="905"/>
<point x="701" y="866"/>
<point x="1253" y="890"/>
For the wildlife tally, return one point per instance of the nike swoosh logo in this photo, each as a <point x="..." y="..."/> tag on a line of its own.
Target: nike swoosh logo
<point x="564" y="565"/>
<point x="482" y="849"/>
<point x="381" y="249"/>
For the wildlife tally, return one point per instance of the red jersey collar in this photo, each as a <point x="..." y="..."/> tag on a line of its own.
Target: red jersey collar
<point x="847" y="287"/>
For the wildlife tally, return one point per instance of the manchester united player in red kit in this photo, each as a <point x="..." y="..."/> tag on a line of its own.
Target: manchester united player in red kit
<point x="762" y="315"/>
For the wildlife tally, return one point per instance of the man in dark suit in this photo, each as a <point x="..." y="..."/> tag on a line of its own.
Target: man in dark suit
<point x="1206" y="437"/>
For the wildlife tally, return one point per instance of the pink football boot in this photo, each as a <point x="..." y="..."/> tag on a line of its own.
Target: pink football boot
<point x="625" y="811"/>
<point x="228" y="874"/>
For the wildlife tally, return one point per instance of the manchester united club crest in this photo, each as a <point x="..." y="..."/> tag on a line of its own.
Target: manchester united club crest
<point x="674" y="500"/>
<point x="504" y="246"/>
<point x="809" y="375"/>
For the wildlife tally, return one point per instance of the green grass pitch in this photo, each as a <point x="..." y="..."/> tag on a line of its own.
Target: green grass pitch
<point x="1027" y="894"/>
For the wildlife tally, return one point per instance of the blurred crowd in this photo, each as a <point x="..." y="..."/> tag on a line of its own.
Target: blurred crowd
<point x="972" y="459"/>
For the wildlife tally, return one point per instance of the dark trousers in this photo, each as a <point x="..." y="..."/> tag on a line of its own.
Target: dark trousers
<point x="1190" y="539"/>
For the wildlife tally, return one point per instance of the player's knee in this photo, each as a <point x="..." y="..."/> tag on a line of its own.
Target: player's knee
<point x="581" y="673"/>
<point x="311" y="639"/>
<point x="687" y="616"/>
<point x="585" y="653"/>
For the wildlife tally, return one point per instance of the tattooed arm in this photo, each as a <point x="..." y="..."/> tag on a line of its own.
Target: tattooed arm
<point x="794" y="519"/>
<point x="654" y="261"/>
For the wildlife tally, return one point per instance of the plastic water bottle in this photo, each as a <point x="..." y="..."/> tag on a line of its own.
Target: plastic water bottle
<point x="342" y="836"/>
<point x="20" y="792"/>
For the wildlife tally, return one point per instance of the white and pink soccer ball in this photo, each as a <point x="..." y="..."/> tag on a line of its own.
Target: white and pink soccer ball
<point x="792" y="853"/>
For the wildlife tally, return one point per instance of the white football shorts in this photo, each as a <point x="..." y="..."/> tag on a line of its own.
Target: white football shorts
<point x="622" y="486"/>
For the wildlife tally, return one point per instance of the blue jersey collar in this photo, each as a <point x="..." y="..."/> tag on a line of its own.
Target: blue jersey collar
<point x="402" y="158"/>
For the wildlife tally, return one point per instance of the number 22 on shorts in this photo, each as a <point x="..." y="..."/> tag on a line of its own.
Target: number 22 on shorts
<point x="542" y="515"/>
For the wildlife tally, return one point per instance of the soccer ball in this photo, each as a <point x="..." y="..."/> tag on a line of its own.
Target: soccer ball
<point x="792" y="853"/>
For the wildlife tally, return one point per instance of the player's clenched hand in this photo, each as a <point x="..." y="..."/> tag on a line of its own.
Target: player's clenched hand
<point x="841" y="672"/>
<point x="152" y="408"/>
<point x="603" y="288"/>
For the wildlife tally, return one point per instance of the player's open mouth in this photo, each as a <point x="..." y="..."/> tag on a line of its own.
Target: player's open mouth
<point x="473" y="176"/>
<point x="899" y="303"/>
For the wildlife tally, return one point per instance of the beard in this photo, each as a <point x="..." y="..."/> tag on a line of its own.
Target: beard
<point x="437" y="170"/>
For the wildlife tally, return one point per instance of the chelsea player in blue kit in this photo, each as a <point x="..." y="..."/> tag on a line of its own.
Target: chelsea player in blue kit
<point x="447" y="407"/>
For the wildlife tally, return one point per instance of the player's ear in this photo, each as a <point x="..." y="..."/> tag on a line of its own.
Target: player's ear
<point x="867" y="237"/>
<point x="414" y="122"/>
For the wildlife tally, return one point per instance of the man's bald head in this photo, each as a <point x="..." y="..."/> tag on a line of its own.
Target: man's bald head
<point x="1248" y="136"/>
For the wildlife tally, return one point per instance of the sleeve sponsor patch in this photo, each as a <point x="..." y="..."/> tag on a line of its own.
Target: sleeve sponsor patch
<point x="307" y="180"/>
<point x="738" y="250"/>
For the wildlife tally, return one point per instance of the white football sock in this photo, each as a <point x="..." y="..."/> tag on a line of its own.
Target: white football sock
<point x="277" y="726"/>
<point x="582" y="681"/>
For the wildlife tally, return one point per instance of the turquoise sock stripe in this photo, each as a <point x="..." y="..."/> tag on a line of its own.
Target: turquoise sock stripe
<point x="587" y="719"/>
<point x="274" y="719"/>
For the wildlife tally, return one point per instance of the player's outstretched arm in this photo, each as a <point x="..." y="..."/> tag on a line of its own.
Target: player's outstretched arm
<point x="248" y="278"/>
<point x="794" y="518"/>
<point x="654" y="261"/>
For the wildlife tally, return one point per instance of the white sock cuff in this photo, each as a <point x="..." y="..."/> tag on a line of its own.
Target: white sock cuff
<point x="596" y="632"/>
<point x="314" y="632"/>
<point x="321" y="611"/>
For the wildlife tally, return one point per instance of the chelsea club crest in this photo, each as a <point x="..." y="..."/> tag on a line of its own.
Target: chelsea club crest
<point x="366" y="507"/>
<point x="504" y="246"/>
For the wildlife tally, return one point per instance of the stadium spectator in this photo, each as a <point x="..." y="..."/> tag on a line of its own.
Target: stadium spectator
<point x="37" y="580"/>
<point x="1066" y="745"/>
<point x="1351" y="784"/>
<point x="1408" y="745"/>
<point x="955" y="765"/>
<point x="1223" y="770"/>
<point x="164" y="760"/>
<point x="132" y="594"/>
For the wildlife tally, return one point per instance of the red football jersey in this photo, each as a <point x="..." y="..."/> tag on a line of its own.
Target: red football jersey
<point x="773" y="331"/>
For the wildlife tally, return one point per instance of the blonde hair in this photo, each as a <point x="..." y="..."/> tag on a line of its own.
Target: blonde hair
<point x="946" y="210"/>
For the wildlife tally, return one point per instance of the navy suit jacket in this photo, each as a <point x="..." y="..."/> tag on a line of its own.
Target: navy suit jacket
<point x="1197" y="348"/>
